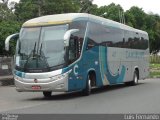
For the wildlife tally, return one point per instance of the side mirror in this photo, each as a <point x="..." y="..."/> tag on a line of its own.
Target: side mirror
<point x="68" y="34"/>
<point x="8" y="40"/>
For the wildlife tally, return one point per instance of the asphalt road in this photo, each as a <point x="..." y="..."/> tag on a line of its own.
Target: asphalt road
<point x="143" y="98"/>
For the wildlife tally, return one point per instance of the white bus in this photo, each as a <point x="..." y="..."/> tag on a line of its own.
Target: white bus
<point x="76" y="52"/>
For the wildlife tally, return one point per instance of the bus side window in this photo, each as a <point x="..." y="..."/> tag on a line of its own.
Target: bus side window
<point x="73" y="49"/>
<point x="95" y="32"/>
<point x="75" y="46"/>
<point x="76" y="40"/>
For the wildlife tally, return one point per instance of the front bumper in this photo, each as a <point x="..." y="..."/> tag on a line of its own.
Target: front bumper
<point x="59" y="85"/>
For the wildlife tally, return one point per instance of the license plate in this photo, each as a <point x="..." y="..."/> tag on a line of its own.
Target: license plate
<point x="36" y="87"/>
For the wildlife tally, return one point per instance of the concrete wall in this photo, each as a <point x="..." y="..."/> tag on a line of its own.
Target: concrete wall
<point x="5" y="66"/>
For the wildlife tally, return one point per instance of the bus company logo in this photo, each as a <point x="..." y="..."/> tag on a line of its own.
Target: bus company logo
<point x="75" y="70"/>
<point x="35" y="80"/>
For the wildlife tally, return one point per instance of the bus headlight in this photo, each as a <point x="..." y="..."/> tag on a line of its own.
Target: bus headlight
<point x="61" y="76"/>
<point x="17" y="78"/>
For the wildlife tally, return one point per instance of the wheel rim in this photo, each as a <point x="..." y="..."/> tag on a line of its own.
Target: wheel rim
<point x="136" y="79"/>
<point x="89" y="85"/>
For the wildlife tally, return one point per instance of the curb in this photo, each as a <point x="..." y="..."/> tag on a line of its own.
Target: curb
<point x="6" y="80"/>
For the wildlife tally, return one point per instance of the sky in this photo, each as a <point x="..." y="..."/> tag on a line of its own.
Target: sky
<point x="147" y="5"/>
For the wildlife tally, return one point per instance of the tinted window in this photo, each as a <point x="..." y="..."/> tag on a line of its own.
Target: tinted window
<point x="94" y="36"/>
<point x="115" y="37"/>
<point x="144" y="41"/>
<point x="134" y="40"/>
<point x="104" y="35"/>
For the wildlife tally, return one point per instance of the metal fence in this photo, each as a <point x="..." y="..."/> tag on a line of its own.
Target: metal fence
<point x="155" y="59"/>
<point x="6" y="77"/>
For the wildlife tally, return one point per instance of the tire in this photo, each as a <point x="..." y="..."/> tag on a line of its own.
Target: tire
<point x="87" y="90"/>
<point x="134" y="81"/>
<point x="135" y="78"/>
<point x="47" y="94"/>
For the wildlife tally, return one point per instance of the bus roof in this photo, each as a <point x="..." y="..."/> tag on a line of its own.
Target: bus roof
<point x="55" y="19"/>
<point x="69" y="17"/>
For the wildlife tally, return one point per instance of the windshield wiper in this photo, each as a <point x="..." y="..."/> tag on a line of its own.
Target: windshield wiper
<point x="40" y="49"/>
<point x="34" y="50"/>
<point x="41" y="54"/>
<point x="30" y="55"/>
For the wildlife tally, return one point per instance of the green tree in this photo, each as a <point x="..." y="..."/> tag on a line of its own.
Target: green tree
<point x="112" y="12"/>
<point x="130" y="19"/>
<point x="85" y="6"/>
<point x="136" y="17"/>
<point x="94" y="9"/>
<point x="5" y="13"/>
<point x="153" y="29"/>
<point x="27" y="9"/>
<point x="59" y="6"/>
<point x="8" y="26"/>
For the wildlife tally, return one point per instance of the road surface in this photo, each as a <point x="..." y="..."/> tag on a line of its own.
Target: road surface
<point x="143" y="98"/>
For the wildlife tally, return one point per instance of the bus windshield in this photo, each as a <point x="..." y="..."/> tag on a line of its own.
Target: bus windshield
<point x="41" y="48"/>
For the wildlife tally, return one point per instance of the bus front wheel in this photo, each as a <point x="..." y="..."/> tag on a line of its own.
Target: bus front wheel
<point x="47" y="94"/>
<point x="87" y="90"/>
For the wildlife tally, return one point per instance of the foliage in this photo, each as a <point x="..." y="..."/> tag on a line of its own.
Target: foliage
<point x="5" y="13"/>
<point x="112" y="12"/>
<point x="155" y="66"/>
<point x="8" y="25"/>
<point x="7" y="28"/>
<point x="155" y="74"/>
<point x="137" y="16"/>
<point x="26" y="10"/>
<point x="153" y="29"/>
<point x="85" y="6"/>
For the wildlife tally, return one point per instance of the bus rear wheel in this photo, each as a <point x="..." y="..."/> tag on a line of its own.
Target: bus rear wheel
<point x="135" y="79"/>
<point x="47" y="94"/>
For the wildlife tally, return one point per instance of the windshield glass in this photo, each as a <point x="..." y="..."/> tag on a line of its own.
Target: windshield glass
<point x="52" y="44"/>
<point x="41" y="48"/>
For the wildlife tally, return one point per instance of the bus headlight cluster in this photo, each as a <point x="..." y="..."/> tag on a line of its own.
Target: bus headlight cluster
<point x="57" y="77"/>
<point x="61" y="76"/>
<point x="17" y="78"/>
